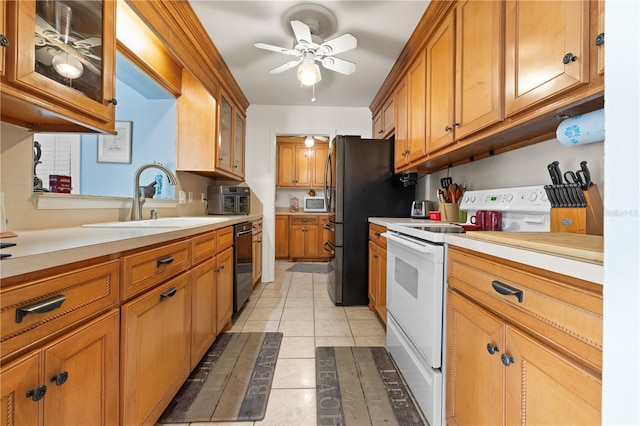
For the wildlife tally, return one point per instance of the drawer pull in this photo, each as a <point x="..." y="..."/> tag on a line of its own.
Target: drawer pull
<point x="164" y="261"/>
<point x="220" y="268"/>
<point x="507" y="360"/>
<point x="38" y="393"/>
<point x="377" y="234"/>
<point x="60" y="379"/>
<point x="169" y="293"/>
<point x="507" y="290"/>
<point x="492" y="349"/>
<point x="40" y="307"/>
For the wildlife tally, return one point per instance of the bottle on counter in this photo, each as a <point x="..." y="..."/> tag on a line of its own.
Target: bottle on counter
<point x="293" y="204"/>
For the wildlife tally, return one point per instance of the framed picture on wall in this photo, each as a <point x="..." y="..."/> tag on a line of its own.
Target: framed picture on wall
<point x="116" y="148"/>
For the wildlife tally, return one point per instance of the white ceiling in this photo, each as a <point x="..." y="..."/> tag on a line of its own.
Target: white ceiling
<point x="382" y="28"/>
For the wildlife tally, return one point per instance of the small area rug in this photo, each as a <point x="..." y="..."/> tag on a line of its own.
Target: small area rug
<point x="231" y="383"/>
<point x="358" y="386"/>
<point x="311" y="268"/>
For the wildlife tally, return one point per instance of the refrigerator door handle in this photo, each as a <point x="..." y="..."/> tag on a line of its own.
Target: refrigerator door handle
<point x="328" y="175"/>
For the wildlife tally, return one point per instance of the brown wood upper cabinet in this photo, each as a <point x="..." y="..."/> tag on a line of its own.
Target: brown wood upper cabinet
<point x="300" y="166"/>
<point x="48" y="67"/>
<point x="384" y="120"/>
<point x="544" y="60"/>
<point x="464" y="77"/>
<point x="230" y="156"/>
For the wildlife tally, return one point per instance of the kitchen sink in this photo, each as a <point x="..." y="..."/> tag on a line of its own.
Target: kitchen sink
<point x="163" y="222"/>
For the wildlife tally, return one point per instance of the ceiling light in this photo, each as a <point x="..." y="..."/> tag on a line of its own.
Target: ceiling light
<point x="309" y="71"/>
<point x="308" y="142"/>
<point x="67" y="65"/>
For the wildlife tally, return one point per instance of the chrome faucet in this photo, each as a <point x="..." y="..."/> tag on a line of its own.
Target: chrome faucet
<point x="138" y="195"/>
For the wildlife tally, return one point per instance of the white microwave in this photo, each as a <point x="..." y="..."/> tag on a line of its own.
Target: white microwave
<point x="315" y="204"/>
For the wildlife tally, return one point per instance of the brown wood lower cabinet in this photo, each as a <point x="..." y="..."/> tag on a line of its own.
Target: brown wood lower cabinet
<point x="73" y="380"/>
<point x="378" y="271"/>
<point x="282" y="236"/>
<point x="521" y="361"/>
<point x="302" y="237"/>
<point x="155" y="350"/>
<point x="224" y="289"/>
<point x="204" y="321"/>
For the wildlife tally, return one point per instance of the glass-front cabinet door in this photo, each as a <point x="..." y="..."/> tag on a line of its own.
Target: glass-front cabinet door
<point x="65" y="50"/>
<point x="225" y="138"/>
<point x="238" y="145"/>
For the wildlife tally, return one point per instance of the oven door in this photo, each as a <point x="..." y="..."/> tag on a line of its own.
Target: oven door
<point x="415" y="283"/>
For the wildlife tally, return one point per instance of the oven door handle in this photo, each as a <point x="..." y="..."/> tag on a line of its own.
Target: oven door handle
<point x="410" y="242"/>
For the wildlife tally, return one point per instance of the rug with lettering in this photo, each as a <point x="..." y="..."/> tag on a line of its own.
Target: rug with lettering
<point x="362" y="386"/>
<point x="232" y="382"/>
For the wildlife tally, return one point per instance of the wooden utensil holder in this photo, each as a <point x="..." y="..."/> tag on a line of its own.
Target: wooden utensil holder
<point x="580" y="220"/>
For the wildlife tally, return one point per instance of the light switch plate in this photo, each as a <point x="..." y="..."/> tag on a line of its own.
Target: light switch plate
<point x="182" y="197"/>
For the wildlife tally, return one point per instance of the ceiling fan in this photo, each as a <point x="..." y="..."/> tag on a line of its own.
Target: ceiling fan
<point x="310" y="49"/>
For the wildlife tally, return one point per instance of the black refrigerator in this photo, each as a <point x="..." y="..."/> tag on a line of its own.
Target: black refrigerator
<point x="360" y="183"/>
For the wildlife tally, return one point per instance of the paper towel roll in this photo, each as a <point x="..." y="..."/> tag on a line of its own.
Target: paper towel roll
<point x="582" y="129"/>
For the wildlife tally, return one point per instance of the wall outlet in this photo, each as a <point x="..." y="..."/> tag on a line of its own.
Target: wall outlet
<point x="182" y="197"/>
<point x="190" y="197"/>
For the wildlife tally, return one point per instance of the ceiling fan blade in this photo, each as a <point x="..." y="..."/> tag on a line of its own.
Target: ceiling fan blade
<point x="338" y="45"/>
<point x="276" y="49"/>
<point x="283" y="68"/>
<point x="302" y="33"/>
<point x="339" y="65"/>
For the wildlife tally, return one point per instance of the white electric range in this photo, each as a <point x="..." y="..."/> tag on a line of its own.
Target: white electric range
<point x="416" y="283"/>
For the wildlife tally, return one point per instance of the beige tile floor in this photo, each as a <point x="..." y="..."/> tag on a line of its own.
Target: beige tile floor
<point x="298" y="305"/>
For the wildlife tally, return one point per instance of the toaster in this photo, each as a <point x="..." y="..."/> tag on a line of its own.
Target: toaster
<point x="421" y="208"/>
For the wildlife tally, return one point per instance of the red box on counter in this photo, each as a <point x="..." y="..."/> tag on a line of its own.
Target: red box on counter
<point x="60" y="184"/>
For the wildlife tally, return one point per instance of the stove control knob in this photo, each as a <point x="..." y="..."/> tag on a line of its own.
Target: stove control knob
<point x="532" y="196"/>
<point x="509" y="197"/>
<point x="544" y="197"/>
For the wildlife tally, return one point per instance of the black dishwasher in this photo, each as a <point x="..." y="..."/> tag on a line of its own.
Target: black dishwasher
<point x="242" y="265"/>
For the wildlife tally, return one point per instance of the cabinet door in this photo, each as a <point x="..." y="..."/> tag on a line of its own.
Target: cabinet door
<point x="196" y="110"/>
<point x="377" y="126"/>
<point x="65" y="51"/>
<point x="440" y="61"/>
<point x="401" y="141"/>
<point x="417" y="145"/>
<point x="224" y="287"/>
<point x="3" y="34"/>
<point x="373" y="276"/>
<point x="597" y="40"/>
<point x="303" y="166"/>
<point x="257" y="257"/>
<point x="475" y="378"/>
<point x="155" y="350"/>
<point x="297" y="241"/>
<point x="388" y="117"/>
<point x="238" y="145"/>
<point x="18" y="380"/>
<point x="282" y="236"/>
<point x="312" y="241"/>
<point x="225" y="137"/>
<point x="318" y="159"/>
<point x="479" y="62"/>
<point x="546" y="50"/>
<point x="204" y="325"/>
<point x="543" y="387"/>
<point x="286" y="167"/>
<point x="83" y="367"/>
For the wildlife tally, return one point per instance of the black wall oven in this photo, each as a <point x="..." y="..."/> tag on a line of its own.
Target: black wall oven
<point x="243" y="264"/>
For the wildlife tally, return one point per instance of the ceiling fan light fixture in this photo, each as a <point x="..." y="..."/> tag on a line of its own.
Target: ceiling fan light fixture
<point x="308" y="142"/>
<point x="67" y="65"/>
<point x="309" y="73"/>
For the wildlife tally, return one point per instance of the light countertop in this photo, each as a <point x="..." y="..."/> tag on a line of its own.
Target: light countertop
<point x="591" y="271"/>
<point x="46" y="248"/>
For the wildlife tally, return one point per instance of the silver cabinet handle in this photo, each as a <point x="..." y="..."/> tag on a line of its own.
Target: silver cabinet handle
<point x="507" y="290"/>
<point x="40" y="307"/>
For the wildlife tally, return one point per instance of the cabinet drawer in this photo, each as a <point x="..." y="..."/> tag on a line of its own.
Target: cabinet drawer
<point x="145" y="269"/>
<point x="305" y="220"/>
<point x="559" y="310"/>
<point x="39" y="309"/>
<point x="203" y="246"/>
<point x="225" y="238"/>
<point x="375" y="232"/>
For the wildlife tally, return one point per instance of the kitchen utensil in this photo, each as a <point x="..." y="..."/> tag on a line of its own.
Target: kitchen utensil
<point x="587" y="174"/>
<point x="445" y="182"/>
<point x="479" y="218"/>
<point x="578" y="177"/>
<point x="555" y="173"/>
<point x="493" y="221"/>
<point x="451" y="193"/>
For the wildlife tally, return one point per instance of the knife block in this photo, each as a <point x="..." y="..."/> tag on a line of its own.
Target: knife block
<point x="580" y="220"/>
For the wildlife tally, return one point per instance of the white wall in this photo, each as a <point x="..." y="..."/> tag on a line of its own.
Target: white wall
<point x="264" y="123"/>
<point x="621" y="357"/>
